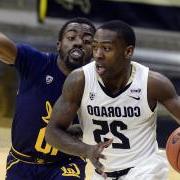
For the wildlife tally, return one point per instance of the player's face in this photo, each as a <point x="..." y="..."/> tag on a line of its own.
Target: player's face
<point x="76" y="46"/>
<point x="110" y="53"/>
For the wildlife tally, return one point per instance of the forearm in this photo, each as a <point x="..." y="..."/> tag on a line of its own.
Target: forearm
<point x="173" y="107"/>
<point x="8" y="50"/>
<point x="65" y="142"/>
<point x="75" y="131"/>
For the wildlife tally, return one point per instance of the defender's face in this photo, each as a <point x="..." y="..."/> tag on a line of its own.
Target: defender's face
<point x="109" y="52"/>
<point x="75" y="49"/>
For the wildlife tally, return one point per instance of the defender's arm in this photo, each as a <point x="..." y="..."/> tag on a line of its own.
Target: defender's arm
<point x="8" y="50"/>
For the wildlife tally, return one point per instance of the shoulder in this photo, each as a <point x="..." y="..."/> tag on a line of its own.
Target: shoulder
<point x="28" y="53"/>
<point x="28" y="50"/>
<point x="25" y="47"/>
<point x="30" y="62"/>
<point x="74" y="86"/>
<point x="76" y="77"/>
<point x="159" y="86"/>
<point x="156" y="79"/>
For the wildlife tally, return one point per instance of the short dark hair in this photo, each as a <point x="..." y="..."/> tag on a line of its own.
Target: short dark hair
<point x="80" y="20"/>
<point x="122" y="29"/>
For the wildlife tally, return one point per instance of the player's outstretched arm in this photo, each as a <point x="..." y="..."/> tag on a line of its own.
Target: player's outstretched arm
<point x="8" y="50"/>
<point x="162" y="90"/>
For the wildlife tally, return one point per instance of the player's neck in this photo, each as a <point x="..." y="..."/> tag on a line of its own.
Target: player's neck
<point x="62" y="67"/>
<point x="121" y="78"/>
<point x="114" y="85"/>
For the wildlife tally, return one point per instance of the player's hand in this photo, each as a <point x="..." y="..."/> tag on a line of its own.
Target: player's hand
<point x="95" y="153"/>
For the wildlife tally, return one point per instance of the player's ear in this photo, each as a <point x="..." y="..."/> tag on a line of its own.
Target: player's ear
<point x="58" y="45"/>
<point x="129" y="51"/>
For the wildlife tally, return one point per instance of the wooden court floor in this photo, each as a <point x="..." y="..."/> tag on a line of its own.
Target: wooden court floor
<point x="5" y="145"/>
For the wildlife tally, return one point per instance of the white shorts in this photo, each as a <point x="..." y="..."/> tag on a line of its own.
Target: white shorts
<point x="153" y="168"/>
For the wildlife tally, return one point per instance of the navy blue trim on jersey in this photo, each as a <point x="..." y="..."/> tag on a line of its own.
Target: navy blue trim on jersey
<point x="109" y="93"/>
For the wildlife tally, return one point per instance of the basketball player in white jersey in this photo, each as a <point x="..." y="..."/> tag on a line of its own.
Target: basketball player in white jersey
<point x="116" y="100"/>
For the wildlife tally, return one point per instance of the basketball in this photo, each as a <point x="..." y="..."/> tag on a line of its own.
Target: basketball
<point x="173" y="149"/>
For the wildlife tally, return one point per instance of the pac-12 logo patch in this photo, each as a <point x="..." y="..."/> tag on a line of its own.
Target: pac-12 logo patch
<point x="49" y="79"/>
<point x="91" y="95"/>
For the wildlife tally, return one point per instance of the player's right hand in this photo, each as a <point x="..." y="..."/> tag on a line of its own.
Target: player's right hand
<point x="94" y="153"/>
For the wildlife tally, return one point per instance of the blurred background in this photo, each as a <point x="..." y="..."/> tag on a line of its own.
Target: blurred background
<point x="37" y="22"/>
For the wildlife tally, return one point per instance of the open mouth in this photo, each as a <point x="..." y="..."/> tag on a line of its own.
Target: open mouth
<point x="100" y="69"/>
<point x="76" y="53"/>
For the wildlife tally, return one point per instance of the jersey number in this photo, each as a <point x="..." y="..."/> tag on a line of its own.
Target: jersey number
<point x="113" y="128"/>
<point x="42" y="146"/>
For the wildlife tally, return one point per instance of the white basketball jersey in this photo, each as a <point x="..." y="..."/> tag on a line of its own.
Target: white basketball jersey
<point x="127" y="118"/>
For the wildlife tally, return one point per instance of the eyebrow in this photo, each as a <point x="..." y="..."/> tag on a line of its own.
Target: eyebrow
<point x="104" y="41"/>
<point x="70" y="30"/>
<point x="74" y="30"/>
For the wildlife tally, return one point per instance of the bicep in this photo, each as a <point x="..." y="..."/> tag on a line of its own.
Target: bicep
<point x="66" y="107"/>
<point x="173" y="106"/>
<point x="8" y="50"/>
<point x="166" y="94"/>
<point x="64" y="111"/>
